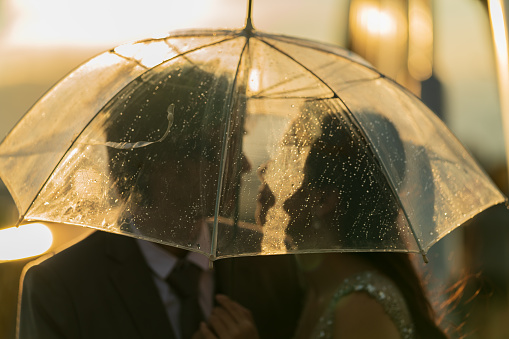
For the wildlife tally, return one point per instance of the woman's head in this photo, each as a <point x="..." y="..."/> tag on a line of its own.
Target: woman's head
<point x="345" y="199"/>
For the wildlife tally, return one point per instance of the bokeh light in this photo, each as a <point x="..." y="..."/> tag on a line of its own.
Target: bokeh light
<point x="499" y="29"/>
<point x="24" y="241"/>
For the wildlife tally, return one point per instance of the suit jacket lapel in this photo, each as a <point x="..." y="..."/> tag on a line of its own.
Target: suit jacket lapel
<point x="133" y="279"/>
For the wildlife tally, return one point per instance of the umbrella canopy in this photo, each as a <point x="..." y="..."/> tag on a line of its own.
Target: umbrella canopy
<point x="162" y="140"/>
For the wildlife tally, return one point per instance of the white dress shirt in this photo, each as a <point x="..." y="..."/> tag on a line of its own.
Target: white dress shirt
<point x="162" y="263"/>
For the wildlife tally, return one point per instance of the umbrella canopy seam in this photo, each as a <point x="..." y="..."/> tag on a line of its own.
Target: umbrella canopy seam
<point x="229" y="100"/>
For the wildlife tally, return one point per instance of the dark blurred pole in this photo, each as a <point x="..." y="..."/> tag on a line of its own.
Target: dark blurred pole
<point x="9" y="271"/>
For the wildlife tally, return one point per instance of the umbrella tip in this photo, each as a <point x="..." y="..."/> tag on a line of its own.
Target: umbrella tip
<point x="424" y="257"/>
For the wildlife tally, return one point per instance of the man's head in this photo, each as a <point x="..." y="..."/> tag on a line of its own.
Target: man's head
<point x="169" y="181"/>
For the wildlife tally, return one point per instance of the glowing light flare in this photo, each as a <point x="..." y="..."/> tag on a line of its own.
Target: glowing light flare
<point x="149" y="55"/>
<point x="499" y="31"/>
<point x="376" y="21"/>
<point x="98" y="22"/>
<point x="254" y="80"/>
<point x="24" y="241"/>
<point x="378" y="31"/>
<point x="420" y="39"/>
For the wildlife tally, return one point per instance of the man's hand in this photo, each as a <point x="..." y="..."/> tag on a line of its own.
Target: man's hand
<point x="229" y="320"/>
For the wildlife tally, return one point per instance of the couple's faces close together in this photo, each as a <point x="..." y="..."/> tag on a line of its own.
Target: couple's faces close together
<point x="303" y="206"/>
<point x="184" y="193"/>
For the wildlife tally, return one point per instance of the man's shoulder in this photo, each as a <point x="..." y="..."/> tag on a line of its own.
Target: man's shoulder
<point x="89" y="253"/>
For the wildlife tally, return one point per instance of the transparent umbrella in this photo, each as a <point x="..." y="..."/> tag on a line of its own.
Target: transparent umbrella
<point x="220" y="142"/>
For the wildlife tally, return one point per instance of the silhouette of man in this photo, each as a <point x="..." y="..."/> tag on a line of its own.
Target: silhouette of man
<point x="115" y="286"/>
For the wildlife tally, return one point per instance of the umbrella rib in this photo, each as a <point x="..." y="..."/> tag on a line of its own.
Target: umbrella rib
<point x="379" y="75"/>
<point x="195" y="33"/>
<point x="288" y="97"/>
<point x="356" y="123"/>
<point x="265" y="90"/>
<point x="348" y="83"/>
<point x="360" y="81"/>
<point x="301" y="44"/>
<point x="286" y="81"/>
<point x="112" y="51"/>
<point x="172" y="47"/>
<point x="213" y="246"/>
<point x="369" y="146"/>
<point x="281" y="92"/>
<point x="298" y="63"/>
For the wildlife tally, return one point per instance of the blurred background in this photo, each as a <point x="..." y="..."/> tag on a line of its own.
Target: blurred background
<point x="443" y="51"/>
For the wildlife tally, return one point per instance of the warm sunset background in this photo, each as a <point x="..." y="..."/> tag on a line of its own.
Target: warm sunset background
<point x="41" y="41"/>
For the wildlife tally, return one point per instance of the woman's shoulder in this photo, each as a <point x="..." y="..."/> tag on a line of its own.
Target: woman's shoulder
<point x="358" y="315"/>
<point x="369" y="301"/>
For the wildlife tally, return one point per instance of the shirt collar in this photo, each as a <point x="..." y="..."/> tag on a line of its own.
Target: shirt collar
<point x="162" y="262"/>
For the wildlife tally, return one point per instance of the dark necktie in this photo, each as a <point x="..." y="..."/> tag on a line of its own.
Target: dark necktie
<point x="184" y="279"/>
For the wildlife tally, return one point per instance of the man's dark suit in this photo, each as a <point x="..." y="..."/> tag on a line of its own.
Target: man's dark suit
<point x="102" y="288"/>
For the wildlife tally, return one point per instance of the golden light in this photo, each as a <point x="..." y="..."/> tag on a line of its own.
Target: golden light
<point x="420" y="39"/>
<point x="149" y="55"/>
<point x="499" y="32"/>
<point x="396" y="36"/>
<point x="378" y="31"/>
<point x="97" y="22"/>
<point x="254" y="80"/>
<point x="24" y="241"/>
<point x="376" y="21"/>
